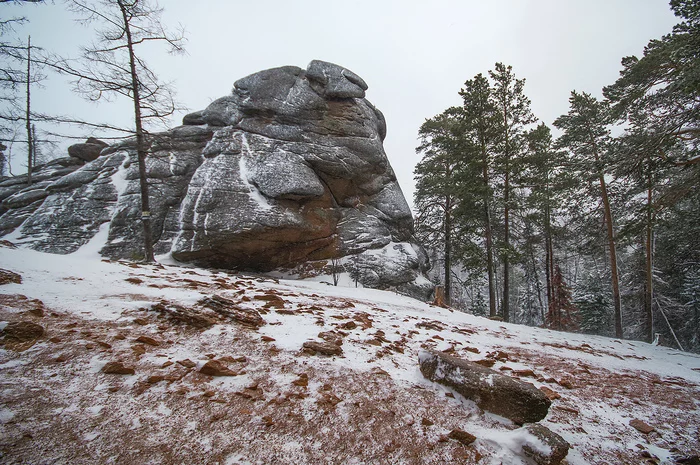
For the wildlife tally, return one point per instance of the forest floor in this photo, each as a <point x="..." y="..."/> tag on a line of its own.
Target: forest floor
<point x="281" y="403"/>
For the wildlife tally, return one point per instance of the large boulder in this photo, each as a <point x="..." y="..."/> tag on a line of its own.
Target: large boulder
<point x="288" y="169"/>
<point x="519" y="401"/>
<point x="88" y="150"/>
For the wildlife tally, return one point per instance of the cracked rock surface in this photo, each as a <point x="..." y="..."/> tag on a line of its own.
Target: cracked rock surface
<point x="288" y="170"/>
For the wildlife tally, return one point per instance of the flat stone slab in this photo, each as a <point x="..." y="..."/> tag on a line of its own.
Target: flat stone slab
<point x="519" y="401"/>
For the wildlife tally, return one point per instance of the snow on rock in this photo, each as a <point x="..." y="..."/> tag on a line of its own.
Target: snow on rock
<point x="18" y="202"/>
<point x="287" y="170"/>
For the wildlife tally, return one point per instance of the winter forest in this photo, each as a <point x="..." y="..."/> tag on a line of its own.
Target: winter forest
<point x="215" y="227"/>
<point x="592" y="225"/>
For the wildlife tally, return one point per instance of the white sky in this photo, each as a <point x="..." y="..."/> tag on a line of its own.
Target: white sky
<point x="414" y="55"/>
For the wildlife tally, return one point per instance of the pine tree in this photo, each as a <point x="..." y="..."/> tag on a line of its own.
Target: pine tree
<point x="690" y="295"/>
<point x="592" y="299"/>
<point x="659" y="99"/>
<point x="478" y="306"/>
<point x="586" y="135"/>
<point x="647" y="186"/>
<point x="677" y="260"/>
<point x="663" y="85"/>
<point x="436" y="187"/>
<point x="562" y="314"/>
<point x="513" y="110"/>
<point x="479" y="118"/>
<point x="548" y="183"/>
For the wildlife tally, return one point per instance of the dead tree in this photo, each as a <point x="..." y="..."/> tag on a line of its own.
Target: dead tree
<point x="112" y="66"/>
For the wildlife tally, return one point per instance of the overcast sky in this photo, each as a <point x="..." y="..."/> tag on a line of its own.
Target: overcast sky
<point x="414" y="55"/>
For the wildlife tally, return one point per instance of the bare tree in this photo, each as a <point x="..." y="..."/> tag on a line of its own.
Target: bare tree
<point x="112" y="67"/>
<point x="18" y="73"/>
<point x="336" y="269"/>
<point x="28" y="114"/>
<point x="3" y="160"/>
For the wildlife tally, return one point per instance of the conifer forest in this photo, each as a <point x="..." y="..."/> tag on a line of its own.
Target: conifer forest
<point x="592" y="225"/>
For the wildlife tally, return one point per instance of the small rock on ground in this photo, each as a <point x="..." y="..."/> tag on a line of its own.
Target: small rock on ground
<point x="216" y="368"/>
<point x="558" y="447"/>
<point x="22" y="331"/>
<point x="117" y="368"/>
<point x="325" y="348"/>
<point x="9" y="277"/>
<point x="462" y="436"/>
<point x="641" y="426"/>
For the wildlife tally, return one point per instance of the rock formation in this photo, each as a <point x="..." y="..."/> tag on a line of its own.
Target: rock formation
<point x="288" y="169"/>
<point x="18" y="201"/>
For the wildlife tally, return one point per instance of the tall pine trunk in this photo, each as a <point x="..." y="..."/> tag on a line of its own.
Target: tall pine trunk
<point x="141" y="151"/>
<point x="613" y="255"/>
<point x="448" y="251"/>
<point x="538" y="287"/>
<point x="489" y="236"/>
<point x="30" y="141"/>
<point x="549" y="258"/>
<point x="506" y="245"/>
<point x="649" y="286"/>
<point x="611" y="241"/>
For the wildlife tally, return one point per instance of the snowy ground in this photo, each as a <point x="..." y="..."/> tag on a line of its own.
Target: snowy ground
<point x="369" y="405"/>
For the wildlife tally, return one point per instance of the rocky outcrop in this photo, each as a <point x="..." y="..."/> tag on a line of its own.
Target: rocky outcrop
<point x="288" y="169"/>
<point x="88" y="150"/>
<point x="18" y="200"/>
<point x="508" y="397"/>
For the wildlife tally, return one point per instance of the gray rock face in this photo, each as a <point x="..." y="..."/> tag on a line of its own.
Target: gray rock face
<point x="289" y="168"/>
<point x="88" y="150"/>
<point x="19" y="201"/>
<point x="516" y="400"/>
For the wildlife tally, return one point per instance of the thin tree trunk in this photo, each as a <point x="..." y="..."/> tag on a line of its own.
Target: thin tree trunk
<point x="30" y="142"/>
<point x="550" y="270"/>
<point x="649" y="289"/>
<point x="549" y="252"/>
<point x="613" y="257"/>
<point x="696" y="317"/>
<point x="34" y="149"/>
<point x="448" y="251"/>
<point x="489" y="239"/>
<point x="611" y="244"/>
<point x="538" y="287"/>
<point x="140" y="143"/>
<point x="506" y="213"/>
<point x="506" y="245"/>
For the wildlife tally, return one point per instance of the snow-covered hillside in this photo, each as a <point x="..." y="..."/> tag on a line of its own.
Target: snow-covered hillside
<point x="281" y="403"/>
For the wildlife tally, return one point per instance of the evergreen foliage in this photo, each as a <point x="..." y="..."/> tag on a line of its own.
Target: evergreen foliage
<point x="512" y="108"/>
<point x="592" y="298"/>
<point x="562" y="314"/>
<point x="597" y="231"/>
